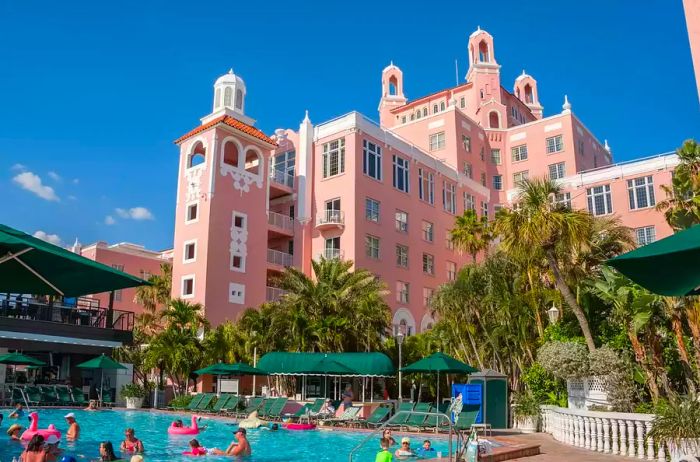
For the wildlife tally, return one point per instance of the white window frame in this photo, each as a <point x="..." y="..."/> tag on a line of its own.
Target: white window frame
<point x="563" y="198"/>
<point x="426" y="186"/>
<point x="372" y="246"/>
<point x="635" y="191"/>
<point x="484" y="210"/>
<point x="498" y="182"/>
<point x="554" y="144"/>
<point x="520" y="176"/>
<point x="469" y="201"/>
<point x="449" y="191"/>
<point x="451" y="268"/>
<point x="436" y="141"/>
<point x="182" y="286"/>
<point x="647" y="236"/>
<point x="369" y="210"/>
<point x="403" y="290"/>
<point x="401" y="256"/>
<point x="428" y="264"/>
<point x="188" y="206"/>
<point x="519" y="153"/>
<point x="606" y="193"/>
<point x="468" y="170"/>
<point x="401" y="167"/>
<point x="496" y="156"/>
<point x="243" y="258"/>
<point x="467" y="143"/>
<point x="427" y="295"/>
<point x="401" y="225"/>
<point x="428" y="232"/>
<point x="186" y="260"/>
<point x="372" y="156"/>
<point x="559" y="169"/>
<point x="327" y="156"/>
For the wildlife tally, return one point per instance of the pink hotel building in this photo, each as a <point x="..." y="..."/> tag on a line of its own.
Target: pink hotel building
<point x="382" y="195"/>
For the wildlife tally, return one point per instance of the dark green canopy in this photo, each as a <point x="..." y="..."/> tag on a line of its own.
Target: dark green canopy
<point x="346" y="364"/>
<point x="18" y="359"/>
<point x="101" y="362"/>
<point x="439" y="362"/>
<point x="230" y="369"/>
<point x="670" y="266"/>
<point x="32" y="266"/>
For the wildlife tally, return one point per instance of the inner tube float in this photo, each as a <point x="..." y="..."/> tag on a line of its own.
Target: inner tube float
<point x="300" y="426"/>
<point x="251" y="421"/>
<point x="193" y="430"/>
<point x="35" y="430"/>
<point x="200" y="451"/>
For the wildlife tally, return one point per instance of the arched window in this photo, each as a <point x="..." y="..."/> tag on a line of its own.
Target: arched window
<point x="252" y="162"/>
<point x="517" y="92"/>
<point x="196" y="157"/>
<point x="471" y="52"/>
<point x="228" y="96"/>
<point x="435" y="108"/>
<point x="494" y="120"/>
<point x="418" y="114"/>
<point x="442" y="106"/>
<point x="425" y="112"/>
<point x="217" y="98"/>
<point x="239" y="99"/>
<point x="528" y="94"/>
<point x="484" y="52"/>
<point x="393" y="86"/>
<point x="231" y="154"/>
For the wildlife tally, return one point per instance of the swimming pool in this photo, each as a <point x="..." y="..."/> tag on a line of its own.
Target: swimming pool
<point x="151" y="428"/>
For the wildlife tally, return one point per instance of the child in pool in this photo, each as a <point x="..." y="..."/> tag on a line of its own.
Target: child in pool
<point x="196" y="449"/>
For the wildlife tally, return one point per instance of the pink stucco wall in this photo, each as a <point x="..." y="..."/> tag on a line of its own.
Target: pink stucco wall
<point x="692" y="19"/>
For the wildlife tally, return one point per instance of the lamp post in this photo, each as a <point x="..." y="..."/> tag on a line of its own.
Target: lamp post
<point x="254" y="334"/>
<point x="553" y="314"/>
<point x="399" y="340"/>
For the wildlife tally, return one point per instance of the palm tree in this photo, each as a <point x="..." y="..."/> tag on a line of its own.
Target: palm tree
<point x="540" y="224"/>
<point x="470" y="234"/>
<point x="682" y="204"/>
<point x="153" y="297"/>
<point x="183" y="315"/>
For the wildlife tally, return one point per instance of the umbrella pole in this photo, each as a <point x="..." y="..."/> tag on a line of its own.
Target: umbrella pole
<point x="437" y="408"/>
<point x="371" y="390"/>
<point x="102" y="381"/>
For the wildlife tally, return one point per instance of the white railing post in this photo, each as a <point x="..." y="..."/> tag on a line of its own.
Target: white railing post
<point x="606" y="435"/>
<point x="630" y="438"/>
<point x="581" y="431"/>
<point x="587" y="432"/>
<point x="613" y="431"/>
<point x="662" y="452"/>
<point x="650" y="441"/>
<point x="599" y="434"/>
<point x="640" y="439"/>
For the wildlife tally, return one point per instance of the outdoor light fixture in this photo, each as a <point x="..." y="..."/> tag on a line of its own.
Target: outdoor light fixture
<point x="553" y="314"/>
<point x="399" y="339"/>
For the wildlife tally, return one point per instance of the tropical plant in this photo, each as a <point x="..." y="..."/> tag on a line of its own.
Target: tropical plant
<point x="153" y="297"/>
<point x="526" y="406"/>
<point x="677" y="421"/>
<point x="132" y="390"/>
<point x="564" y="360"/>
<point x="470" y="234"/>
<point x="682" y="204"/>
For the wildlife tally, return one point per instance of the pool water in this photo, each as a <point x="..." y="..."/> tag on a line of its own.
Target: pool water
<point x="151" y="428"/>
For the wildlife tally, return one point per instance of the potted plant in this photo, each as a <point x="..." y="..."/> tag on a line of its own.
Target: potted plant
<point x="678" y="424"/>
<point x="134" y="394"/>
<point x="526" y="413"/>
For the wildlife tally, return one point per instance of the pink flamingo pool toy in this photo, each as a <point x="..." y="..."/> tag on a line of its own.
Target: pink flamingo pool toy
<point x="193" y="430"/>
<point x="35" y="430"/>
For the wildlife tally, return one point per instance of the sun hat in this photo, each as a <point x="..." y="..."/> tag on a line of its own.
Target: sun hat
<point x="12" y="428"/>
<point x="52" y="439"/>
<point x="405" y="439"/>
<point x="69" y="415"/>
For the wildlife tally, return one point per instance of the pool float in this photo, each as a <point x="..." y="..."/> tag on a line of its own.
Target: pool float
<point x="193" y="430"/>
<point x="300" y="426"/>
<point x="200" y="451"/>
<point x="251" y="421"/>
<point x="35" y="430"/>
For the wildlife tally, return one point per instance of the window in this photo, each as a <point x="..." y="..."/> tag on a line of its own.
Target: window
<point x="333" y="158"/>
<point x="468" y="170"/>
<point x="191" y="216"/>
<point x="427" y="295"/>
<point x="401" y="221"/>
<point x="187" y="288"/>
<point x="118" y="293"/>
<point x="519" y="152"/>
<point x="372" y="246"/>
<point x="190" y="253"/>
<point x="427" y="228"/>
<point x="238" y="253"/>
<point x="554" y="144"/>
<point x="483" y="179"/>
<point x="494" y="120"/>
<point x="284" y="168"/>
<point x="641" y="192"/>
<point x="332" y="248"/>
<point x="231" y="154"/>
<point x="563" y="199"/>
<point x="428" y="264"/>
<point x="448" y="197"/>
<point x="496" y="156"/>
<point x="467" y="143"/>
<point x="484" y="210"/>
<point x="451" y="271"/>
<point x="581" y="147"/>
<point x="498" y="182"/>
<point x="426" y="186"/>
<point x="442" y="105"/>
<point x="239" y="99"/>
<point x="437" y="141"/>
<point x="557" y="171"/>
<point x="372" y="160"/>
<point x="425" y="112"/>
<point x="418" y="114"/>
<point x="435" y="108"/>
<point x="462" y="103"/>
<point x="403" y="119"/>
<point x="599" y="200"/>
<point x="402" y="291"/>
<point x="290" y="247"/>
<point x="645" y="235"/>
<point x="481" y="153"/>
<point x="519" y="177"/>
<point x="372" y="210"/>
<point x="401" y="173"/>
<point x="402" y="256"/>
<point x="228" y="97"/>
<point x="469" y="202"/>
<point x="448" y="240"/>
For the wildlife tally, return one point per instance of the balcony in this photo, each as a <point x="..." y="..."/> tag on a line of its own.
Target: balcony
<point x="273" y="294"/>
<point x="280" y="225"/>
<point x="279" y="260"/>
<point x="329" y="219"/>
<point x="331" y="254"/>
<point x="281" y="183"/>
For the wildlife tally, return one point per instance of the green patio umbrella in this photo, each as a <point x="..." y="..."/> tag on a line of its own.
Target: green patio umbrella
<point x="18" y="359"/>
<point x="29" y="265"/>
<point x="436" y="363"/>
<point x="230" y="369"/>
<point x="101" y="362"/>
<point x="668" y="266"/>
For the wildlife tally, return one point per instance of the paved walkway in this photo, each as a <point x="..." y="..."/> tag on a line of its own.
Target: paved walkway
<point x="554" y="451"/>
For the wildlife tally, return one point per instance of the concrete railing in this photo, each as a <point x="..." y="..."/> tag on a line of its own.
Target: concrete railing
<point x="280" y="221"/>
<point x="279" y="258"/>
<point x="625" y="434"/>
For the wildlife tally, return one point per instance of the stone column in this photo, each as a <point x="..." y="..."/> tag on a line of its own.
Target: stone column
<point x="606" y="436"/>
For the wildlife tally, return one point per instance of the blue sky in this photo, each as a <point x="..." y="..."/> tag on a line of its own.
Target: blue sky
<point x="92" y="94"/>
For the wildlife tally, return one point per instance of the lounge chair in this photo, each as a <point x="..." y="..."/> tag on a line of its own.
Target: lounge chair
<point x="78" y="396"/>
<point x="417" y="420"/>
<point x="230" y="406"/>
<point x="436" y="421"/>
<point x="348" y="416"/>
<point x="220" y="403"/>
<point x="467" y="417"/>
<point x="316" y="405"/>
<point x="107" y="398"/>
<point x="63" y="394"/>
<point x="401" y="419"/>
<point x="300" y="413"/>
<point x="277" y="408"/>
<point x="48" y="395"/>
<point x="253" y="405"/>
<point x="33" y="395"/>
<point x="266" y="407"/>
<point x="376" y="418"/>
<point x="203" y="405"/>
<point x="17" y="395"/>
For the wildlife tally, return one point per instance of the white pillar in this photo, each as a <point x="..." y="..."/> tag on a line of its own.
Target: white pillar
<point x="630" y="438"/>
<point x="661" y="457"/>
<point x="572" y="429"/>
<point x="599" y="433"/>
<point x="581" y="432"/>
<point x="650" y="441"/>
<point x="613" y="433"/>
<point x="623" y="438"/>
<point x="587" y="432"/>
<point x="640" y="439"/>
<point x="606" y="435"/>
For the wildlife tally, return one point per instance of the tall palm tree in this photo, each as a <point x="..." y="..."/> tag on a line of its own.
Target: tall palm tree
<point x="153" y="297"/>
<point x="540" y="224"/>
<point x="682" y="204"/>
<point x="470" y="234"/>
<point x="182" y="315"/>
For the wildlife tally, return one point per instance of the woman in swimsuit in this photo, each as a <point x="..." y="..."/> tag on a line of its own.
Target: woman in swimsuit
<point x="35" y="451"/>
<point x="131" y="443"/>
<point x="107" y="452"/>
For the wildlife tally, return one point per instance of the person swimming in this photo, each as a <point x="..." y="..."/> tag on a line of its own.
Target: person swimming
<point x="107" y="452"/>
<point x="14" y="432"/>
<point x="17" y="413"/>
<point x="196" y="449"/>
<point x="239" y="448"/>
<point x="177" y="423"/>
<point x="131" y="443"/>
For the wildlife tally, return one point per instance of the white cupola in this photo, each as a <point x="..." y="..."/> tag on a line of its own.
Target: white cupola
<point x="229" y="98"/>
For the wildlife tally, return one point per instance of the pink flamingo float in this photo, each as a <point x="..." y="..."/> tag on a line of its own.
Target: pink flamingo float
<point x="35" y="430"/>
<point x="193" y="430"/>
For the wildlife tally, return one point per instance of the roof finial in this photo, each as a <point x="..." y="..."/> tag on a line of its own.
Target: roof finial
<point x="524" y="74"/>
<point x="306" y="116"/>
<point x="607" y="146"/>
<point x="478" y="28"/>
<point x="230" y="71"/>
<point x="567" y="105"/>
<point x="391" y="63"/>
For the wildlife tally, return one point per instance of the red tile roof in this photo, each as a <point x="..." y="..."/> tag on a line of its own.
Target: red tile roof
<point x="231" y="122"/>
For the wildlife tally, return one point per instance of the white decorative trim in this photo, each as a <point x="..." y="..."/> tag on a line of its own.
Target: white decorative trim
<point x="193" y="176"/>
<point x="481" y="136"/>
<point x="552" y="127"/>
<point x="182" y="286"/>
<point x="239" y="147"/>
<point x="236" y="293"/>
<point x="184" y="251"/>
<point x="518" y="136"/>
<point x="404" y="314"/>
<point x="427" y="319"/>
<point x="436" y="124"/>
<point x="239" y="241"/>
<point x="241" y="178"/>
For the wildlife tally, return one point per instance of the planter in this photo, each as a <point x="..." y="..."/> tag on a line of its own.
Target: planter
<point x="134" y="403"/>
<point x="687" y="450"/>
<point x="527" y="424"/>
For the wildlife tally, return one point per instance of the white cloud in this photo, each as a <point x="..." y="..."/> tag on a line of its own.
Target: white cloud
<point x="109" y="220"/>
<point x="135" y="213"/>
<point x="18" y="167"/>
<point x="50" y="238"/>
<point x="32" y="183"/>
<point x="54" y="176"/>
<point x="76" y="180"/>
<point x="72" y="197"/>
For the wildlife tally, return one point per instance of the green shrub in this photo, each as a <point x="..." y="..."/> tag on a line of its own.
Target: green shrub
<point x="525" y="406"/>
<point x="677" y="420"/>
<point x="133" y="390"/>
<point x="542" y="385"/>
<point x="181" y="401"/>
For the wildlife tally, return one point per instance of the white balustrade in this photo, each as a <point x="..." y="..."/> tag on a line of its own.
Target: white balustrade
<point x="607" y="432"/>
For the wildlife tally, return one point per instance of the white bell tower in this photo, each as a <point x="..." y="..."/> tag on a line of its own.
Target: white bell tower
<point x="229" y="98"/>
